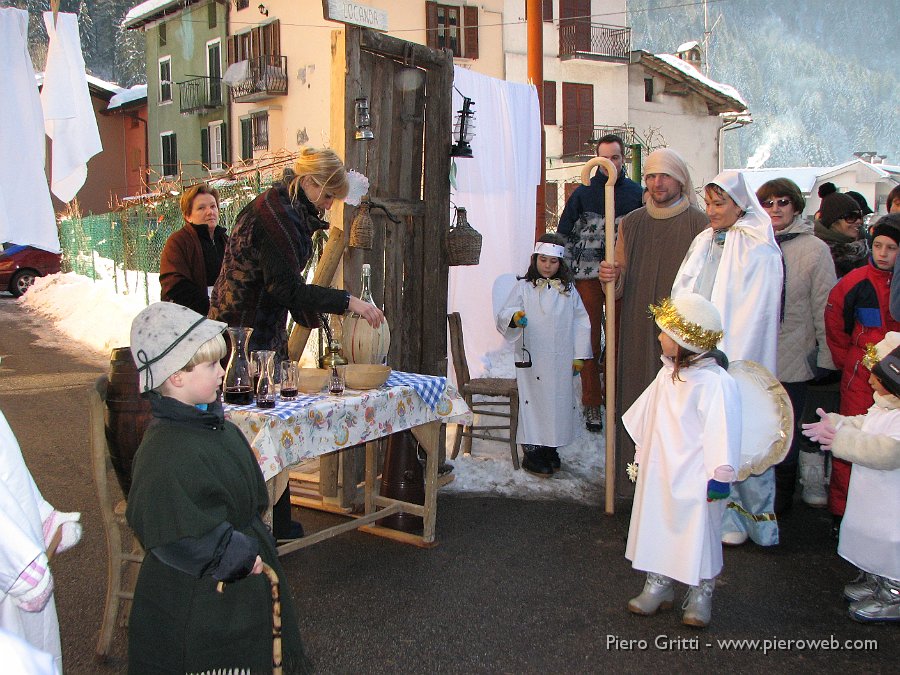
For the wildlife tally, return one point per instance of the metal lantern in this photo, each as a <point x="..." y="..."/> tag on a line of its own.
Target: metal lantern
<point x="464" y="129"/>
<point x="363" y="119"/>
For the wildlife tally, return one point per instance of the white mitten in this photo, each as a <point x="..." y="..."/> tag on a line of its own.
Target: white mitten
<point x="32" y="590"/>
<point x="69" y="527"/>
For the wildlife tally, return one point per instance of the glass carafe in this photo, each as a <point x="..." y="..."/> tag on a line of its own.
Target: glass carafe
<point x="238" y="384"/>
<point x="265" y="388"/>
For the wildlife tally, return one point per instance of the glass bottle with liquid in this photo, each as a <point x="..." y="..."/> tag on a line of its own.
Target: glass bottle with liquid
<point x="265" y="387"/>
<point x="237" y="386"/>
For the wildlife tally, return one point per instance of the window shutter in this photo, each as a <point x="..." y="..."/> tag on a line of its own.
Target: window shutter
<point x="204" y="146"/>
<point x="431" y="24"/>
<point x="225" y="159"/>
<point x="549" y="102"/>
<point x="246" y="139"/>
<point x="470" y="24"/>
<point x="548" y="10"/>
<point x="231" y="50"/>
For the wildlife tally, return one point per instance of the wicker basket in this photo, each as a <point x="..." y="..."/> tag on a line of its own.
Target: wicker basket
<point x="362" y="229"/>
<point x="463" y="242"/>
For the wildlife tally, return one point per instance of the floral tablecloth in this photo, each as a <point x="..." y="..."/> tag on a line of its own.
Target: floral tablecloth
<point x="312" y="425"/>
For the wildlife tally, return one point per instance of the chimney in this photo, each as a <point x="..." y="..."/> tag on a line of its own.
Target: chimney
<point x="689" y="52"/>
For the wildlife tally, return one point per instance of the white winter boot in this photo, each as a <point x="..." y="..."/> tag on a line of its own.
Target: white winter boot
<point x="697" y="604"/>
<point x="658" y="593"/>
<point x="812" y="478"/>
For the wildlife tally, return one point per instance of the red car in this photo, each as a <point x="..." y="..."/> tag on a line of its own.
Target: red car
<point x="21" y="265"/>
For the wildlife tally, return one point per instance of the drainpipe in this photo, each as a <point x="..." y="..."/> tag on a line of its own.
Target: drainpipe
<point x="535" y="49"/>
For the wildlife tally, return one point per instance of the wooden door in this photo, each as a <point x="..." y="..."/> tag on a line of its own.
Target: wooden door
<point x="577" y="13"/>
<point x="578" y="117"/>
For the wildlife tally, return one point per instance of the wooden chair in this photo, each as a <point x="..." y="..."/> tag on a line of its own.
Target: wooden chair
<point x="495" y="387"/>
<point x="123" y="566"/>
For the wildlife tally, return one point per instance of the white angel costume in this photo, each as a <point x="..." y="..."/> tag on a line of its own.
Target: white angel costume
<point x="870" y="529"/>
<point x="743" y="278"/>
<point x="683" y="431"/>
<point x="558" y="332"/>
<point x="27" y="523"/>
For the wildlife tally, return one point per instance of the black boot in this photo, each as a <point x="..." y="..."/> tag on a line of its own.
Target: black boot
<point x="552" y="457"/>
<point x="534" y="462"/>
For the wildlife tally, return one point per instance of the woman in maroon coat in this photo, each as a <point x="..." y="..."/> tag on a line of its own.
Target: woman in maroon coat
<point x="192" y="256"/>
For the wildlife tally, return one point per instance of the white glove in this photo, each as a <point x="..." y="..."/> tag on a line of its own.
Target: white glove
<point x="821" y="432"/>
<point x="69" y="527"/>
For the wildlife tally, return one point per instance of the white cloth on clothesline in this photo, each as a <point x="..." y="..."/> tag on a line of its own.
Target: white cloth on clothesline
<point x="69" y="117"/>
<point x="26" y="212"/>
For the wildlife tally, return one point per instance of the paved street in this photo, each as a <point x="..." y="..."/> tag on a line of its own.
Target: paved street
<point x="513" y="587"/>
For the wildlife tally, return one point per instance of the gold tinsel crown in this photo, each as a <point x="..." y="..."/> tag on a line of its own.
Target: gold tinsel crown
<point x="871" y="356"/>
<point x="668" y="318"/>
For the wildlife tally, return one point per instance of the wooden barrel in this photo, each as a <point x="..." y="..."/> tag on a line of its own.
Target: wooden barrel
<point x="364" y="344"/>
<point x="127" y="414"/>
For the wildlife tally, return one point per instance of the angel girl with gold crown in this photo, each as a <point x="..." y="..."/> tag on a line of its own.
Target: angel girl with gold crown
<point x="686" y="428"/>
<point x="547" y="321"/>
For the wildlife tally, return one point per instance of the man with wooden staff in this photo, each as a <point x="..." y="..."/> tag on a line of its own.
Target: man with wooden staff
<point x="651" y="243"/>
<point x="582" y="223"/>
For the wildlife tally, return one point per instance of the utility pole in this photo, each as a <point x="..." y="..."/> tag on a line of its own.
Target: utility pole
<point x="535" y="48"/>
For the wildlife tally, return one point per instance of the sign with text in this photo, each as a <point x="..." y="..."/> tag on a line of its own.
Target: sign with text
<point x="356" y="14"/>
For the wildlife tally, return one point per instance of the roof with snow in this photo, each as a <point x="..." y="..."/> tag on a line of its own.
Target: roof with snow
<point x="151" y="10"/>
<point x="96" y="86"/>
<point x="686" y="79"/>
<point x="136" y="94"/>
<point x="807" y="177"/>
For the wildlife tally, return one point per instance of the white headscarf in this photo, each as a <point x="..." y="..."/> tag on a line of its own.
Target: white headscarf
<point x="755" y="220"/>
<point x="667" y="161"/>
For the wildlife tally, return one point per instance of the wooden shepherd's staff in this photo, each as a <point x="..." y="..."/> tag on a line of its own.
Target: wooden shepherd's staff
<point x="610" y="291"/>
<point x="272" y="575"/>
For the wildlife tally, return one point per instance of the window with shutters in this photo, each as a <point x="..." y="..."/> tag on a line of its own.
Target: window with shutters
<point x="169" y="154"/>
<point x="165" y="79"/>
<point x="257" y="42"/>
<point x="241" y="4"/>
<point x="452" y="27"/>
<point x="216" y="139"/>
<point x="260" y="122"/>
<point x="549" y="102"/>
<point x="246" y="139"/>
<point x="578" y="118"/>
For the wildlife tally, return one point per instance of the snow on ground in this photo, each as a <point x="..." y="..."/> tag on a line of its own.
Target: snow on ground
<point x="93" y="314"/>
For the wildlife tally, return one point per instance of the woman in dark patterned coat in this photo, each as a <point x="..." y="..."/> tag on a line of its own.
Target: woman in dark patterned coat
<point x="270" y="244"/>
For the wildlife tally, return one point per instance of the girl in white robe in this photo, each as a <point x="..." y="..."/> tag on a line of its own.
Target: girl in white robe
<point x="27" y="525"/>
<point x="545" y="318"/>
<point x="687" y="431"/>
<point x="870" y="529"/>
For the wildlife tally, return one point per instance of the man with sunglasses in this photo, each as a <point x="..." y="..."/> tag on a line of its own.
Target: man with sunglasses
<point x="839" y="226"/>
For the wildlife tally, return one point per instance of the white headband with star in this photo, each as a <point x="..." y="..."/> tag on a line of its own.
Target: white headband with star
<point x="552" y="250"/>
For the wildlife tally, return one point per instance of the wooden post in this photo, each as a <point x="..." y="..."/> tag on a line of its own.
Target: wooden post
<point x="610" y="293"/>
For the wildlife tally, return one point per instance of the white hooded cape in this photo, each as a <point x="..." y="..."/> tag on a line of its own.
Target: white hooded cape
<point x="558" y="332"/>
<point x="748" y="282"/>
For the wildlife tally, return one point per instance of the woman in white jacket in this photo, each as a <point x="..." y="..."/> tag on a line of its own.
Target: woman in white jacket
<point x="802" y="351"/>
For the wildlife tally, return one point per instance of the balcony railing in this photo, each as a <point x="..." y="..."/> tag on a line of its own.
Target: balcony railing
<point x="266" y="76"/>
<point x="200" y="94"/>
<point x="580" y="141"/>
<point x="594" y="41"/>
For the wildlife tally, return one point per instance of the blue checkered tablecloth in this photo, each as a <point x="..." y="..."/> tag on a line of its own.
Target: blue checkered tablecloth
<point x="429" y="387"/>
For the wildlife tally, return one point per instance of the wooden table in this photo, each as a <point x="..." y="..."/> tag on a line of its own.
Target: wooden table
<point x="313" y="425"/>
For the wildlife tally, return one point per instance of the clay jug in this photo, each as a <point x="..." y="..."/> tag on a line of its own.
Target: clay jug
<point x="362" y="343"/>
<point x="402" y="478"/>
<point x="127" y="414"/>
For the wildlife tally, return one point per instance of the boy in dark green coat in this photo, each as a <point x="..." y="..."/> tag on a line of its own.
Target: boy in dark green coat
<point x="195" y="503"/>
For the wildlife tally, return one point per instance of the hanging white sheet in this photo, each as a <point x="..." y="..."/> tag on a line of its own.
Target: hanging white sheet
<point x="69" y="117"/>
<point x="26" y="213"/>
<point x="497" y="188"/>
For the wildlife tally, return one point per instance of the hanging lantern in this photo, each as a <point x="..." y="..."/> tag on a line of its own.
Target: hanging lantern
<point x="464" y="129"/>
<point x="362" y="119"/>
